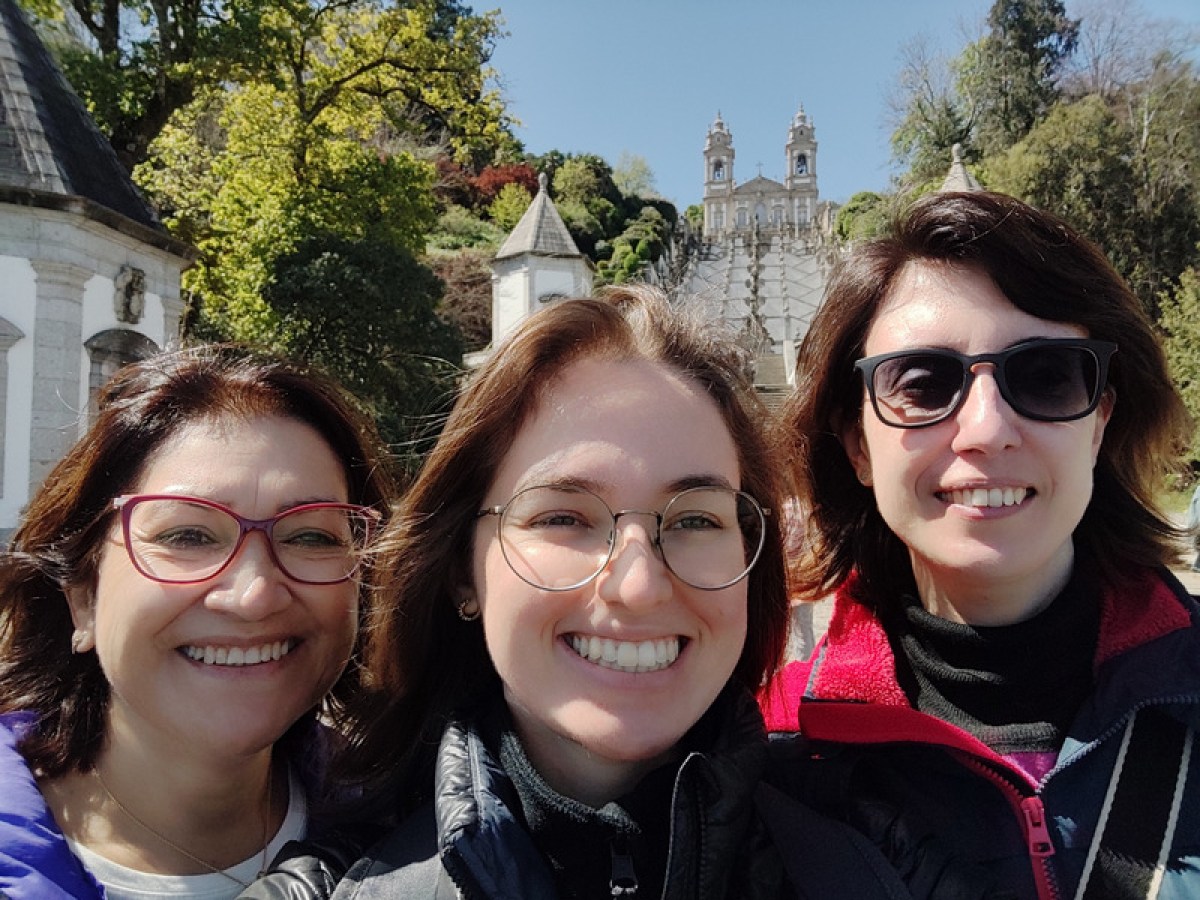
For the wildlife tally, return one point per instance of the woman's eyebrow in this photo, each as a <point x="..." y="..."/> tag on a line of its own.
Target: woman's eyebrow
<point x="699" y="480"/>
<point x="565" y="480"/>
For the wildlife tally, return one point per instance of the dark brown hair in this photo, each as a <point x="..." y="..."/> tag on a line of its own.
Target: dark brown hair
<point x="57" y="544"/>
<point x="427" y="661"/>
<point x="1045" y="269"/>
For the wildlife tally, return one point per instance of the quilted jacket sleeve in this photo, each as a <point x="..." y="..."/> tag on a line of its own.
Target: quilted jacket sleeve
<point x="310" y="870"/>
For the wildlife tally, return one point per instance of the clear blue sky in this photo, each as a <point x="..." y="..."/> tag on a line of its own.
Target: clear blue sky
<point x="648" y="77"/>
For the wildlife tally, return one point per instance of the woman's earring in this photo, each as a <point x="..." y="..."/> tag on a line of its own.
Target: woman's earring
<point x="468" y="609"/>
<point x="80" y="639"/>
<point x="864" y="477"/>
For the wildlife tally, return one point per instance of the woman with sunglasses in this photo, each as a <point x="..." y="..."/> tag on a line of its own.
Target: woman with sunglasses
<point x="1008" y="689"/>
<point x="588" y="588"/>
<point x="178" y="604"/>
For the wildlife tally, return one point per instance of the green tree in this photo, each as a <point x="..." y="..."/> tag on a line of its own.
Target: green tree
<point x="865" y="215"/>
<point x="929" y="115"/>
<point x="1162" y="116"/>
<point x="633" y="176"/>
<point x="586" y="230"/>
<point x="1180" y="321"/>
<point x="585" y="178"/>
<point x="1076" y="164"/>
<point x="1124" y="172"/>
<point x="365" y="310"/>
<point x="326" y="146"/>
<point x="459" y="228"/>
<point x="424" y="60"/>
<point x="510" y="204"/>
<point x="1011" y="74"/>
<point x="270" y="178"/>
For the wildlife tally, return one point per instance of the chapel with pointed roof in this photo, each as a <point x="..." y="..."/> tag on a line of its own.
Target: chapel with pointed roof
<point x="537" y="264"/>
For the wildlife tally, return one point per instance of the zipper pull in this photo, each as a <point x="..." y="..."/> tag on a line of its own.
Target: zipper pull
<point x="624" y="881"/>
<point x="1036" y="832"/>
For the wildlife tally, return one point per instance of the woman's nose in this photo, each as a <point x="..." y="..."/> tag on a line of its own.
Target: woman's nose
<point x="636" y="576"/>
<point x="252" y="586"/>
<point x="985" y="420"/>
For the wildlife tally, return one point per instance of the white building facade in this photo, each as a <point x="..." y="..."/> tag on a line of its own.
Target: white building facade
<point x="89" y="278"/>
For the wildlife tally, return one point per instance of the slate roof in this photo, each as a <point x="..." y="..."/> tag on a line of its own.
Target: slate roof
<point x="959" y="178"/>
<point x="541" y="231"/>
<point x="50" y="149"/>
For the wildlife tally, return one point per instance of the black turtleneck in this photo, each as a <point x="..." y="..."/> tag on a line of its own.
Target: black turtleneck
<point x="1015" y="687"/>
<point x="585" y="846"/>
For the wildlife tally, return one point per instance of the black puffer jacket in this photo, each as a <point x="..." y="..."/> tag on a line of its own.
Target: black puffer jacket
<point x="726" y="829"/>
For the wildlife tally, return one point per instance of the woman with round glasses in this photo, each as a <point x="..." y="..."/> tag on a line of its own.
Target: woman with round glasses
<point x="1006" y="696"/>
<point x="177" y="606"/>
<point x="588" y="588"/>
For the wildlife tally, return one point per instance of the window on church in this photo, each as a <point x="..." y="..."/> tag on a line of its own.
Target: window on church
<point x="743" y="218"/>
<point x="801" y="164"/>
<point x="718" y="171"/>
<point x="718" y="218"/>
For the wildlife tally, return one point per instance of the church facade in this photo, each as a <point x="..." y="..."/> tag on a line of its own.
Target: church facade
<point x="766" y="249"/>
<point x="790" y="205"/>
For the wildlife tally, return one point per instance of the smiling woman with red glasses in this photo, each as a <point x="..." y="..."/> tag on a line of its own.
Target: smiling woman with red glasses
<point x="1006" y="698"/>
<point x="178" y="604"/>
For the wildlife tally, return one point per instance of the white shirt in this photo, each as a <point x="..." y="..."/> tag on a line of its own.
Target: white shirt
<point x="123" y="883"/>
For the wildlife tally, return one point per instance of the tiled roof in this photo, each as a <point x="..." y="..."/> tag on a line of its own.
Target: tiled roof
<point x="541" y="231"/>
<point x="49" y="145"/>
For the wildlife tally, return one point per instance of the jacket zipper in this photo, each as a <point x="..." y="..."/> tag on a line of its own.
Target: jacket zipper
<point x="1032" y="815"/>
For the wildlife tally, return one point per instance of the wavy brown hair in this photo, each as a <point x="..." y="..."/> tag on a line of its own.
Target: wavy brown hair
<point x="58" y="543"/>
<point x="1045" y="269"/>
<point x="427" y="661"/>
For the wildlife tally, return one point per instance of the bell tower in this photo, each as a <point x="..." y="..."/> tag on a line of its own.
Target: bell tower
<point x="801" y="178"/>
<point x="718" y="177"/>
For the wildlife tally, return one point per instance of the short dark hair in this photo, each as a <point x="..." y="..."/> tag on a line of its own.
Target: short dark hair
<point x="425" y="660"/>
<point x="58" y="543"/>
<point x="1044" y="268"/>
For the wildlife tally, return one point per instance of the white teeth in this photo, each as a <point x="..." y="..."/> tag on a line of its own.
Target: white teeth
<point x="627" y="656"/>
<point x="646" y="657"/>
<point x="237" y="656"/>
<point x="992" y="498"/>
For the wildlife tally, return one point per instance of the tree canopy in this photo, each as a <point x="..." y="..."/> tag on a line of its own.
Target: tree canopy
<point x="138" y="62"/>
<point x="1095" y="118"/>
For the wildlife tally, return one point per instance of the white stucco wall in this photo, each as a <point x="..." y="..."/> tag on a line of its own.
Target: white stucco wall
<point x="57" y="281"/>
<point x="18" y="294"/>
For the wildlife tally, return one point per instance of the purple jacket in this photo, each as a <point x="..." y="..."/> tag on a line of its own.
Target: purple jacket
<point x="35" y="861"/>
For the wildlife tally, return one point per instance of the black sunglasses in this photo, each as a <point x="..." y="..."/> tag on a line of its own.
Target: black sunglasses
<point x="1046" y="379"/>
